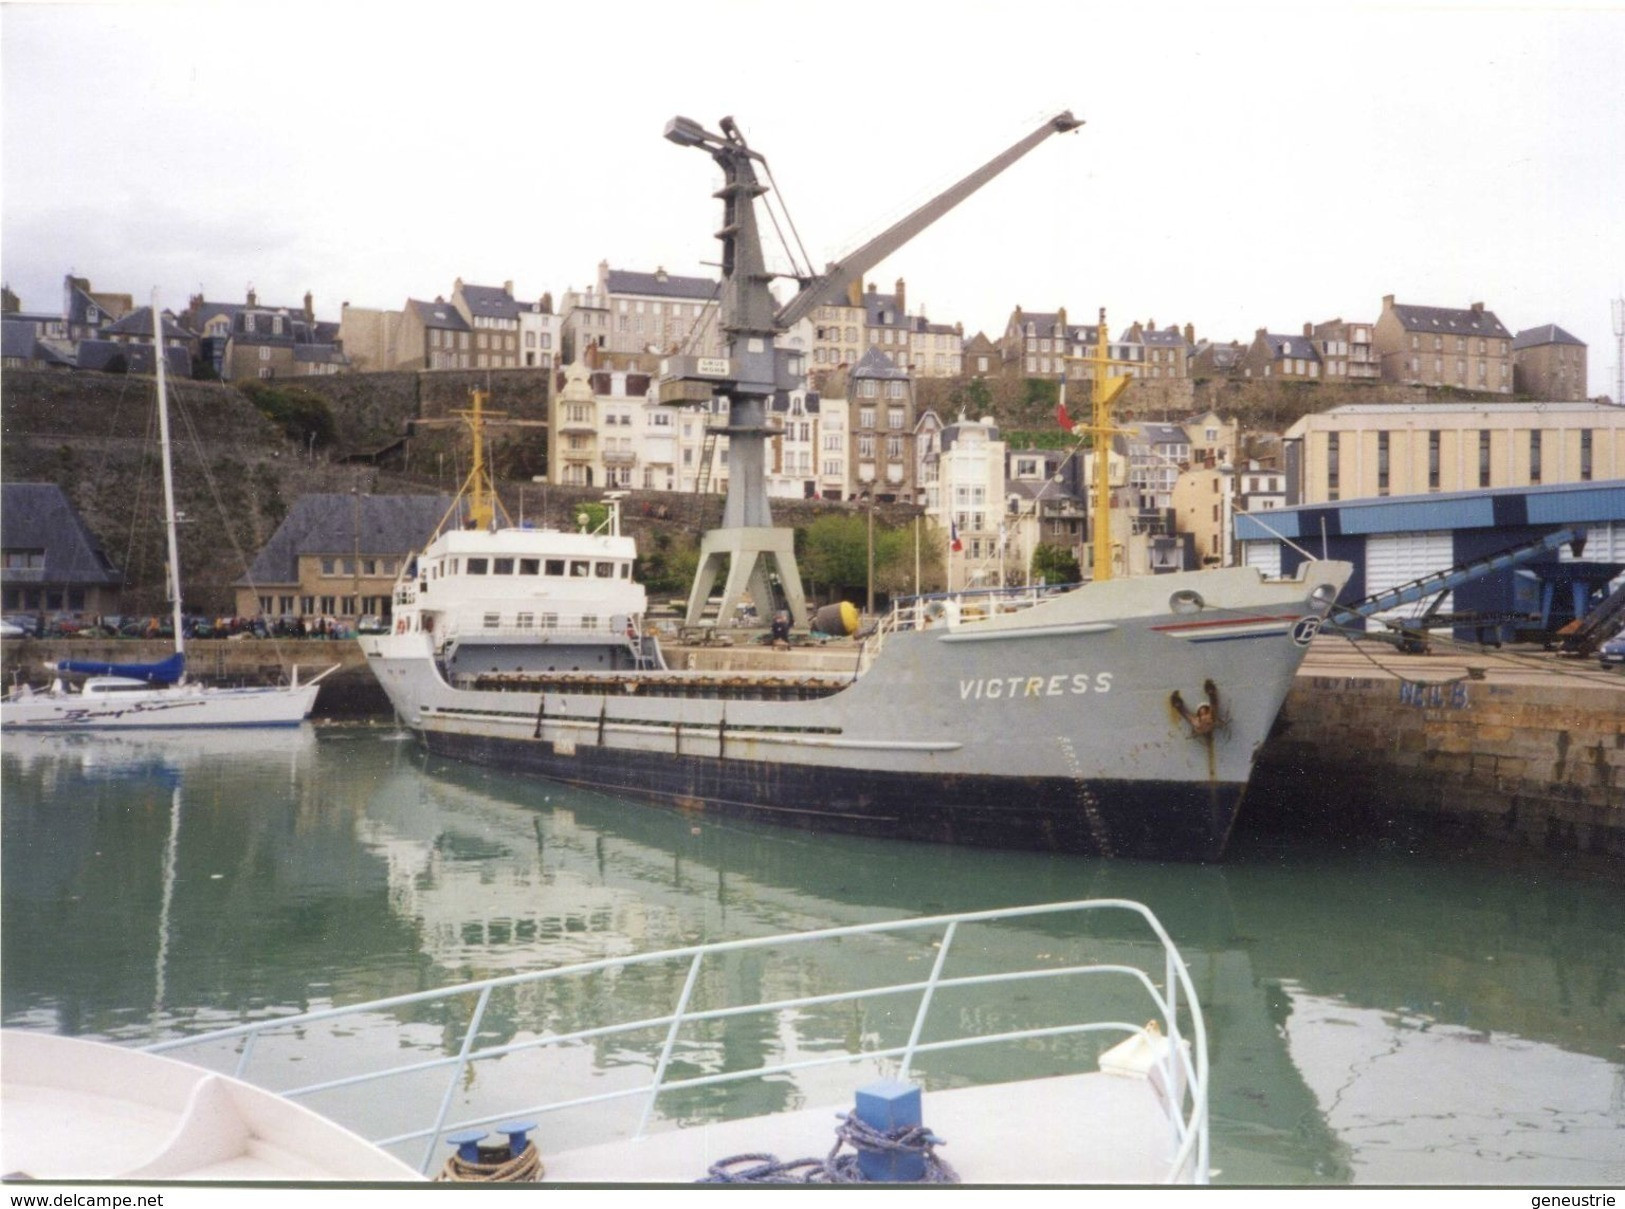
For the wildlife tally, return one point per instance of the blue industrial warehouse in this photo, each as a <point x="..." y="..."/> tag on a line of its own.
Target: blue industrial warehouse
<point x="1490" y="565"/>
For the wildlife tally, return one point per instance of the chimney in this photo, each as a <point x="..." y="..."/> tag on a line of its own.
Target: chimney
<point x="1060" y="318"/>
<point x="507" y="288"/>
<point x="1308" y="330"/>
<point x="1190" y="333"/>
<point x="854" y="294"/>
<point x="310" y="307"/>
<point x="1387" y="302"/>
<point x="547" y="303"/>
<point x="253" y="299"/>
<point x="1477" y="308"/>
<point x="902" y="304"/>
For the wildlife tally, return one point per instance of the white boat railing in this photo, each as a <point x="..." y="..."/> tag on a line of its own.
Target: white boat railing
<point x="1182" y="1068"/>
<point x="951" y="609"/>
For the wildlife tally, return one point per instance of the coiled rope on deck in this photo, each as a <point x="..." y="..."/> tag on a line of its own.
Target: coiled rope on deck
<point x="838" y="1168"/>
<point x="524" y="1168"/>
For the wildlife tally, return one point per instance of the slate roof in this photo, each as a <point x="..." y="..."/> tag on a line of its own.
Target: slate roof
<point x="1164" y="434"/>
<point x="40" y="516"/>
<point x="17" y="339"/>
<point x="1164" y="339"/>
<point x="137" y="358"/>
<point x="1546" y="333"/>
<point x="660" y="285"/>
<point x="1445" y="319"/>
<point x="881" y="310"/>
<point x="490" y="302"/>
<point x="1290" y="346"/>
<point x="437" y="314"/>
<point x="391" y="525"/>
<point x="1045" y="323"/>
<point x="139" y="323"/>
<point x="876" y="364"/>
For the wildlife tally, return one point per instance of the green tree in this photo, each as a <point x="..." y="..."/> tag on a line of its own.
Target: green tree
<point x="1055" y="565"/>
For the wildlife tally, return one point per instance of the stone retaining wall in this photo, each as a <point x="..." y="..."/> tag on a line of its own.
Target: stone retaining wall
<point x="1536" y="761"/>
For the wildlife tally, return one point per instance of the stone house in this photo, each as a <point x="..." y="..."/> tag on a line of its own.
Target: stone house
<point x="1276" y="357"/>
<point x="336" y="556"/>
<point x="1548" y="363"/>
<point x="1440" y="346"/>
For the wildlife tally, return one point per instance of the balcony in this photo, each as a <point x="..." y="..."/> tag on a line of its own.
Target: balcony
<point x="619" y="457"/>
<point x="588" y="424"/>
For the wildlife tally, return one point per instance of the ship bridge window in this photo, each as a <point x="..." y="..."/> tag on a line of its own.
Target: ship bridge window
<point x="502" y="566"/>
<point x="555" y="566"/>
<point x="580" y="568"/>
<point x="550" y="621"/>
<point x="493" y="620"/>
<point x="530" y="566"/>
<point x="589" y="621"/>
<point x="525" y="621"/>
<point x="478" y="566"/>
<point x="626" y="570"/>
<point x="604" y="570"/>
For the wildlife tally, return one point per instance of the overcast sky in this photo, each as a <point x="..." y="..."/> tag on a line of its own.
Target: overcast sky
<point x="1242" y="166"/>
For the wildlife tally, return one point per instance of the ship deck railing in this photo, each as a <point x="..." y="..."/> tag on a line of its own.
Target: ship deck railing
<point x="1111" y="955"/>
<point x="931" y="609"/>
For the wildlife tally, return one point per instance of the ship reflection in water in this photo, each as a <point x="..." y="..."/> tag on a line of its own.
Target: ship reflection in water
<point x="1374" y="1017"/>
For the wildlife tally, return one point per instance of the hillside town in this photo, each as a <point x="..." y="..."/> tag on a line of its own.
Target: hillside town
<point x="893" y="407"/>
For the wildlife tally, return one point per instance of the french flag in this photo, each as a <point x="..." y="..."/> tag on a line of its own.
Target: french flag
<point x="954" y="543"/>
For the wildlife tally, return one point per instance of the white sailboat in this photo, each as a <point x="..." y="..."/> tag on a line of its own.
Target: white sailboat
<point x="124" y="696"/>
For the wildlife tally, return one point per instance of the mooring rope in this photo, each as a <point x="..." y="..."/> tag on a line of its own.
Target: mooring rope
<point x="526" y="1168"/>
<point x="838" y="1168"/>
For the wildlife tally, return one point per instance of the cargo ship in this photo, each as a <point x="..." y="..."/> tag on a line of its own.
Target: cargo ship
<point x="1118" y="718"/>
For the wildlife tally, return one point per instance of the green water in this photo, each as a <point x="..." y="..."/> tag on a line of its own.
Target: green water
<point x="1375" y="1015"/>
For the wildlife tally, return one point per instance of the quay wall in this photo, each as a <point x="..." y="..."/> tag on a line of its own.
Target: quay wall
<point x="1503" y="750"/>
<point x="1525" y="759"/>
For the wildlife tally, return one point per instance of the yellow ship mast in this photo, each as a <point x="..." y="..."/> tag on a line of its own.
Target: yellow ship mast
<point x="483" y="502"/>
<point x="1103" y="394"/>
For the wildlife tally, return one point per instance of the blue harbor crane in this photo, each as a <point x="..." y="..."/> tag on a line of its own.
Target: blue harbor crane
<point x="753" y="368"/>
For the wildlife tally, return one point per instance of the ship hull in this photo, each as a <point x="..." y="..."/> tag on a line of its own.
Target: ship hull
<point x="1120" y="720"/>
<point x="1132" y="819"/>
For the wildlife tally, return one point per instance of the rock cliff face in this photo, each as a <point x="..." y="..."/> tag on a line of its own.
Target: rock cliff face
<point x="236" y="473"/>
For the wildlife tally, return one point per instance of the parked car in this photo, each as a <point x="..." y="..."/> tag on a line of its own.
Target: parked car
<point x="10" y="629"/>
<point x="1612" y="653"/>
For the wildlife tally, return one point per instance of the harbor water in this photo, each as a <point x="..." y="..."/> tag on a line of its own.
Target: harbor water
<point x="1376" y="1014"/>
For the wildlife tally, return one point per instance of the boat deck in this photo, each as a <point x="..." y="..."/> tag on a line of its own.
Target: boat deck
<point x="1093" y="1128"/>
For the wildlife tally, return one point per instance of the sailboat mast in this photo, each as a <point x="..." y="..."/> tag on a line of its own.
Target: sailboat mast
<point x="169" y="474"/>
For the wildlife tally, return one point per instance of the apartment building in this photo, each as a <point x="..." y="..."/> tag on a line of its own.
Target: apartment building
<point x="939" y="349"/>
<point x="1165" y="351"/>
<point x="252" y="339"/>
<point x="1439" y="346"/>
<point x="838" y="336"/>
<point x="1036" y="343"/>
<point x="1044" y="501"/>
<point x="1367" y="450"/>
<point x="1548" y="363"/>
<point x="1207" y="498"/>
<point x="492" y="316"/>
<point x="659" y="312"/>
<point x="1346" y="351"/>
<point x="969" y="508"/>
<point x="881" y="429"/>
<point x="887" y="326"/>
